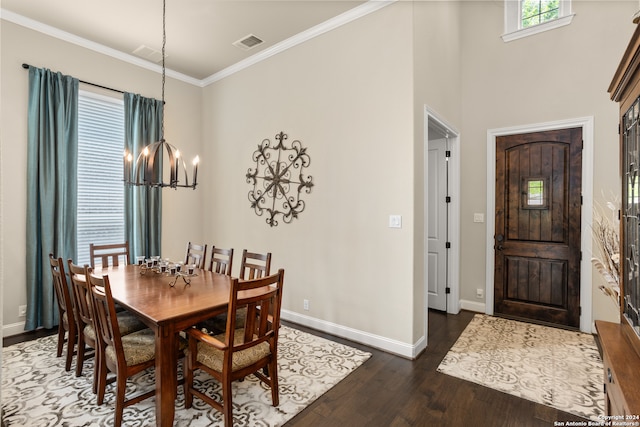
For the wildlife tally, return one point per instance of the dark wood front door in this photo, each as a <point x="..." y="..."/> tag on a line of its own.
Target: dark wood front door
<point x="537" y="240"/>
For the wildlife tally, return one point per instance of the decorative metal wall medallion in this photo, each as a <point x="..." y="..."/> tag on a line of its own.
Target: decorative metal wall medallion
<point x="278" y="180"/>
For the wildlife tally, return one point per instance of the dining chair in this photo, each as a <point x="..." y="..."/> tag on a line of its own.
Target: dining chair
<point x="239" y="352"/>
<point x="112" y="251"/>
<point x="87" y="328"/>
<point x="84" y="319"/>
<point x="254" y="265"/>
<point x="221" y="260"/>
<point x="66" y="316"/>
<point x="196" y="254"/>
<point x="124" y="355"/>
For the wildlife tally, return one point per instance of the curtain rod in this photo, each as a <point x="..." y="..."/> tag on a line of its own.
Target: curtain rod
<point x="26" y="66"/>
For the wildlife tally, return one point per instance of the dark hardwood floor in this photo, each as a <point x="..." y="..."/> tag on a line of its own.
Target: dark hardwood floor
<point x="388" y="390"/>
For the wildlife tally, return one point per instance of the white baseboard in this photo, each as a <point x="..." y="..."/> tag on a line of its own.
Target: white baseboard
<point x="392" y="346"/>
<point x="376" y="341"/>
<point x="13" y="329"/>
<point x="479" y="307"/>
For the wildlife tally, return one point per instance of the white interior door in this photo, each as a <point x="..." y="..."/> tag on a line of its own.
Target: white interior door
<point x="437" y="225"/>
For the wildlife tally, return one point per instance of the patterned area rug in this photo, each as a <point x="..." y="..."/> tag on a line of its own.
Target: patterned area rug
<point x="554" y="367"/>
<point x="37" y="391"/>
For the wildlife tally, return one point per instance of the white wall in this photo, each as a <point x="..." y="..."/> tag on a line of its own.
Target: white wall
<point x="347" y="96"/>
<point x="182" y="212"/>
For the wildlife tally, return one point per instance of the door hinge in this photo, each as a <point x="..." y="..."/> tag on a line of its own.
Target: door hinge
<point x="581" y="200"/>
<point x="447" y="154"/>
<point x="580" y="310"/>
<point x="580" y="255"/>
<point x="447" y="245"/>
<point x="447" y="199"/>
<point x="447" y="290"/>
<point x="618" y="128"/>
<point x="582" y="142"/>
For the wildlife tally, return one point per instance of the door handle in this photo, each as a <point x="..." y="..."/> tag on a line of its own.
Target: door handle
<point x="499" y="239"/>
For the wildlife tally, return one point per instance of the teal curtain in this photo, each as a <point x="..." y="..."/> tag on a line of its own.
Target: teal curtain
<point x="143" y="205"/>
<point x="52" y="152"/>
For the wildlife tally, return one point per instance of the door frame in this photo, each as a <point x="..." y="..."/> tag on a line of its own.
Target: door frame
<point x="586" y="123"/>
<point x="453" y="300"/>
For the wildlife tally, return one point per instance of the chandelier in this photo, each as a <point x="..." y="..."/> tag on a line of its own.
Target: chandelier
<point x="150" y="168"/>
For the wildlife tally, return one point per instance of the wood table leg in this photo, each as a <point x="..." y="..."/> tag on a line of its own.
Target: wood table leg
<point x="166" y="373"/>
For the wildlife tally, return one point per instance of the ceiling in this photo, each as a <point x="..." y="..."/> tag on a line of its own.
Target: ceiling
<point x="199" y="33"/>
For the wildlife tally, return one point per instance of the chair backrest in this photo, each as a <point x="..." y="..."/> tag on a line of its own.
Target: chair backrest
<point x="254" y="265"/>
<point x="112" y="251"/>
<point x="81" y="293"/>
<point x="65" y="303"/>
<point x="262" y="314"/>
<point x="106" y="322"/>
<point x="196" y="254"/>
<point x="221" y="260"/>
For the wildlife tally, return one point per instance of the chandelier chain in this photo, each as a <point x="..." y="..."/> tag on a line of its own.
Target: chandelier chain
<point x="164" y="43"/>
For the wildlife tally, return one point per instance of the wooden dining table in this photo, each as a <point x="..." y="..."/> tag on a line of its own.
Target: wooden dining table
<point x="167" y="310"/>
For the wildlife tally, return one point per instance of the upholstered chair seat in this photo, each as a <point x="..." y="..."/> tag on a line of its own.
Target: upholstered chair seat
<point x="129" y="323"/>
<point x="138" y="347"/>
<point x="213" y="358"/>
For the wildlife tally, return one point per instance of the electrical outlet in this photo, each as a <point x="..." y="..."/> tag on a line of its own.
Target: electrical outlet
<point x="479" y="293"/>
<point x="22" y="310"/>
<point x="305" y="304"/>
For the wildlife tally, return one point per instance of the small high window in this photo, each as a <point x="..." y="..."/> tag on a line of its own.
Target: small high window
<point x="534" y="12"/>
<point x="527" y="17"/>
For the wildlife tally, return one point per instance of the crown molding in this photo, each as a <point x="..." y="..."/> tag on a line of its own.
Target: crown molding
<point x="351" y="15"/>
<point x="331" y="24"/>
<point x="48" y="30"/>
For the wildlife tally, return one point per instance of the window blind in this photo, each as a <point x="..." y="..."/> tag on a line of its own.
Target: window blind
<point x="100" y="186"/>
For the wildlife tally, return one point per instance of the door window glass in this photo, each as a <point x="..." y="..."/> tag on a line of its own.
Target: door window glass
<point x="534" y="193"/>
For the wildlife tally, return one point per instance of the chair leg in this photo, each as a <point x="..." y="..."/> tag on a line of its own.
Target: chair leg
<point x="273" y="369"/>
<point x="227" y="405"/>
<point x="81" y="351"/>
<point x="121" y="385"/>
<point x="188" y="381"/>
<point x="98" y="369"/>
<point x="100" y="377"/>
<point x="71" y="344"/>
<point x="60" y="338"/>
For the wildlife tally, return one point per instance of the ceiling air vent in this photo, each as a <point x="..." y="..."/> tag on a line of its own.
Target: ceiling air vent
<point x="248" y="42"/>
<point x="149" y="54"/>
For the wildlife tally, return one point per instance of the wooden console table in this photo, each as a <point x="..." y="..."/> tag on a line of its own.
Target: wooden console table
<point x="621" y="371"/>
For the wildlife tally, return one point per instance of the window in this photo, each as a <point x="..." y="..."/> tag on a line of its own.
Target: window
<point x="533" y="12"/>
<point x="100" y="188"/>
<point x="534" y="193"/>
<point x="527" y="17"/>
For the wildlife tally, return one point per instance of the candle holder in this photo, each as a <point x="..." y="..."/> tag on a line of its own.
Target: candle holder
<point x="186" y="278"/>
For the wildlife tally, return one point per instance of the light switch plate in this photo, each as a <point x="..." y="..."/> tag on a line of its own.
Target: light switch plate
<point x="395" y="221"/>
<point x="478" y="217"/>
